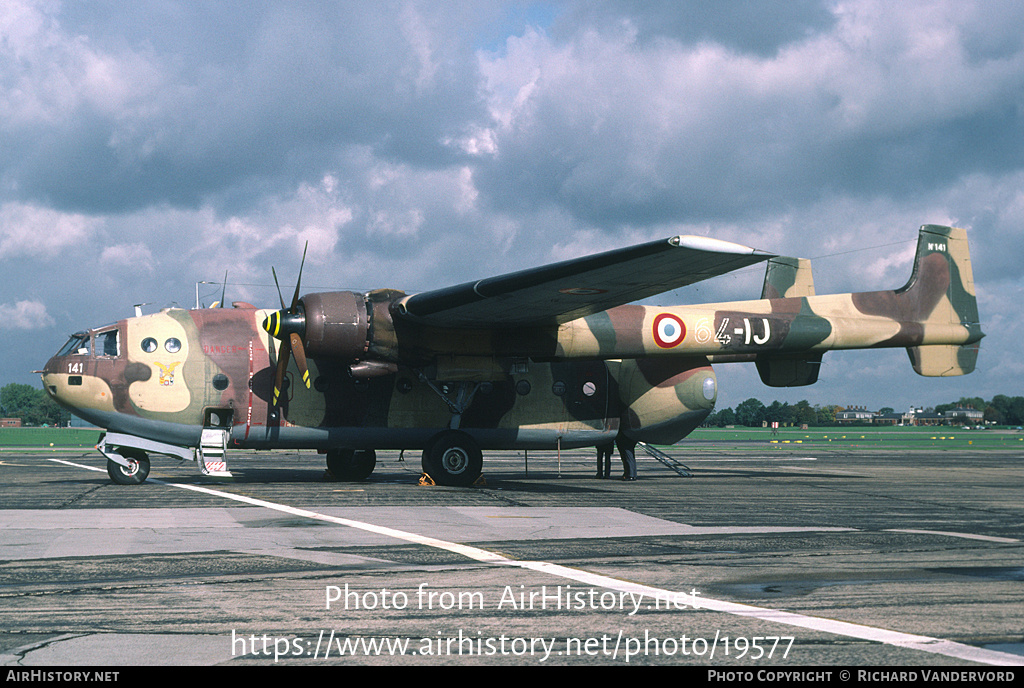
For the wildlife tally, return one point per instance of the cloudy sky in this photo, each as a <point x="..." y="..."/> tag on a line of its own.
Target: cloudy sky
<point x="151" y="145"/>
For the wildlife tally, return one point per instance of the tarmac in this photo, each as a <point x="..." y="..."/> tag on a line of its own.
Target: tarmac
<point x="767" y="556"/>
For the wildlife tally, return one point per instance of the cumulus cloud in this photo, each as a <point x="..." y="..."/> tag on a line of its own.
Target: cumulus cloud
<point x="102" y="118"/>
<point x="29" y="229"/>
<point x="25" y="315"/>
<point x="133" y="257"/>
<point x="890" y="99"/>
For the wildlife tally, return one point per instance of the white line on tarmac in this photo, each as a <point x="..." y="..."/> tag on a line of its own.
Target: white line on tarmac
<point x="938" y="646"/>
<point x="969" y="536"/>
<point x="691" y="459"/>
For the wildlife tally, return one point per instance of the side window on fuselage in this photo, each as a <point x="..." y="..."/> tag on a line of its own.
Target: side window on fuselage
<point x="107" y="343"/>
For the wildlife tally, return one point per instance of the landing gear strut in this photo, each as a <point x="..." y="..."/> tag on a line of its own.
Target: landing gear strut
<point x="349" y="465"/>
<point x="453" y="458"/>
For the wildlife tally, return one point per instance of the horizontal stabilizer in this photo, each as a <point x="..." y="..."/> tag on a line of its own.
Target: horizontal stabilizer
<point x="788" y="371"/>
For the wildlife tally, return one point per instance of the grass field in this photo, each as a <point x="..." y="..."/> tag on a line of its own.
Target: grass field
<point x="45" y="438"/>
<point x="906" y="437"/>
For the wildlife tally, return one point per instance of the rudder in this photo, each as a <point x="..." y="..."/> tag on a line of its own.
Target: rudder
<point x="787" y="277"/>
<point x="943" y="260"/>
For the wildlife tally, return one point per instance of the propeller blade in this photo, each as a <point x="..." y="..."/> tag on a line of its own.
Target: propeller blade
<point x="224" y="289"/>
<point x="276" y="284"/>
<point x="286" y="321"/>
<point x="299" y="351"/>
<point x="282" y="366"/>
<point x="298" y="282"/>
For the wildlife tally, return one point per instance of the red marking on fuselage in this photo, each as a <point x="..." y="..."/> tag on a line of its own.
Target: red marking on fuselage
<point x="669" y="331"/>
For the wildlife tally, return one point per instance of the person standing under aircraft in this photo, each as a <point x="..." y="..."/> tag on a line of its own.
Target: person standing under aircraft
<point x="627" y="452"/>
<point x="604" y="459"/>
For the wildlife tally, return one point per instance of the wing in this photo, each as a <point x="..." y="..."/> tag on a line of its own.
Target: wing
<point x="572" y="289"/>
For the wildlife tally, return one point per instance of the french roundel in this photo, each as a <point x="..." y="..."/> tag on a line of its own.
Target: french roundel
<point x="669" y="331"/>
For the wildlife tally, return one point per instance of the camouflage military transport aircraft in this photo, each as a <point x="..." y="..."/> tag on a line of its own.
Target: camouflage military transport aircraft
<point x="546" y="357"/>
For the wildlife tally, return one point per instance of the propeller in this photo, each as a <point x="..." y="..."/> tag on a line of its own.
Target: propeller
<point x="288" y="325"/>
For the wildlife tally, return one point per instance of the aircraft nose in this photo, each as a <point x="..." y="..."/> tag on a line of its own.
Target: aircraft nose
<point x="54" y="384"/>
<point x="66" y="368"/>
<point x="49" y="374"/>
<point x="50" y="387"/>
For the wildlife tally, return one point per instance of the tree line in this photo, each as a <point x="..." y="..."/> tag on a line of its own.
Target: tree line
<point x="753" y="413"/>
<point x="1001" y="410"/>
<point x="32" y="405"/>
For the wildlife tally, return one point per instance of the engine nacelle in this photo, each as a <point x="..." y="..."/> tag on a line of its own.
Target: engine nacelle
<point x="337" y="325"/>
<point x="665" y="399"/>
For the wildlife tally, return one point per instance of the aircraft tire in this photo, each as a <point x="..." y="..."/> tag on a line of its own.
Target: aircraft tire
<point x="137" y="474"/>
<point x="427" y="450"/>
<point x="348" y="465"/>
<point x="453" y="458"/>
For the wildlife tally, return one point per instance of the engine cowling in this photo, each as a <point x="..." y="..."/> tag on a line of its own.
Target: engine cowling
<point x="337" y="325"/>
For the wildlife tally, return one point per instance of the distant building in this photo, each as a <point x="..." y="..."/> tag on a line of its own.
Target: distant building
<point x="965" y="416"/>
<point x="913" y="416"/>
<point x="897" y="418"/>
<point x="10" y="422"/>
<point x="929" y="418"/>
<point x="855" y="414"/>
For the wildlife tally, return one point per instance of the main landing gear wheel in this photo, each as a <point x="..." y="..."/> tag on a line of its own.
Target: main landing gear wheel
<point x="453" y="458"/>
<point x="136" y="473"/>
<point x="349" y="465"/>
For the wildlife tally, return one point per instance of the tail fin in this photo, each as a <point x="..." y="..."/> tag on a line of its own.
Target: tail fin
<point x="943" y="264"/>
<point x="784" y="278"/>
<point x="787" y="277"/>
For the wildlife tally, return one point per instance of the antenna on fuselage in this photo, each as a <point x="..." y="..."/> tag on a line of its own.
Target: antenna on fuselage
<point x="138" y="309"/>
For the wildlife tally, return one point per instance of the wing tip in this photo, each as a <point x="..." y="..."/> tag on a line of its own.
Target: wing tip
<point x="703" y="243"/>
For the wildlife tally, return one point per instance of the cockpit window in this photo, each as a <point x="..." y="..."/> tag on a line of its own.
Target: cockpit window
<point x="107" y="343"/>
<point x="78" y="344"/>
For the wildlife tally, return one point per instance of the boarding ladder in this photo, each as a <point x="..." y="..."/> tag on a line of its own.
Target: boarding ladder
<point x="677" y="466"/>
<point x="211" y="452"/>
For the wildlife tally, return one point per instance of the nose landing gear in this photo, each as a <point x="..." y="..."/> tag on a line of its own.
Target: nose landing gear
<point x="137" y="470"/>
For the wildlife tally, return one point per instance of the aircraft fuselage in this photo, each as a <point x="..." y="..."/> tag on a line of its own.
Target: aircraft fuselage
<point x="167" y="375"/>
